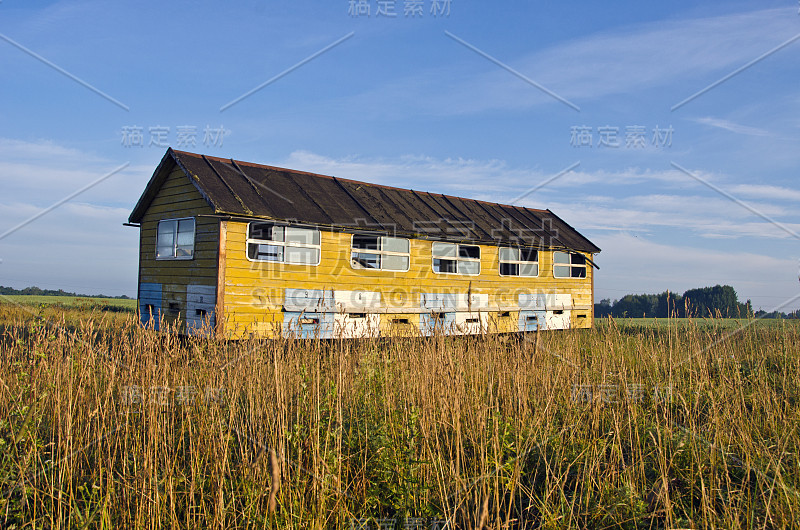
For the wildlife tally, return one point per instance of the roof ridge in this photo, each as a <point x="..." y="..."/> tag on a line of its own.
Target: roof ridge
<point x="336" y="202"/>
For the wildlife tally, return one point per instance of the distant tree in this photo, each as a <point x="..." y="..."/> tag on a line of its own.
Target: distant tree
<point x="603" y="308"/>
<point x="36" y="291"/>
<point x="636" y="306"/>
<point x="745" y="309"/>
<point x="668" y="304"/>
<point x="720" y="300"/>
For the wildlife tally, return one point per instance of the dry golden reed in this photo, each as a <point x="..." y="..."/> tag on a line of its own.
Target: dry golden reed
<point x="680" y="425"/>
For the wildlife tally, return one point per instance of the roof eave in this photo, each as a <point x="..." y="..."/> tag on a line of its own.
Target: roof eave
<point x="239" y="216"/>
<point x="594" y="250"/>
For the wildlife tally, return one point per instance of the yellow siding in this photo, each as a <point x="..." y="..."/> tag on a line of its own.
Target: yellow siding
<point x="179" y="198"/>
<point x="254" y="291"/>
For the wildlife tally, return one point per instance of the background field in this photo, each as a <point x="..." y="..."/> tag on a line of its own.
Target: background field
<point x="727" y="323"/>
<point x="630" y="425"/>
<point x="72" y="301"/>
<point x="130" y="305"/>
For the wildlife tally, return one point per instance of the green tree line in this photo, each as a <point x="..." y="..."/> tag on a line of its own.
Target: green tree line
<point x="717" y="301"/>
<point x="36" y="291"/>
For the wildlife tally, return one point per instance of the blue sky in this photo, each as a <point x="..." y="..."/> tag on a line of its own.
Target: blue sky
<point x="701" y="194"/>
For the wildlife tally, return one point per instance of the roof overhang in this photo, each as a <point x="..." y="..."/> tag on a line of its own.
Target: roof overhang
<point x="168" y="163"/>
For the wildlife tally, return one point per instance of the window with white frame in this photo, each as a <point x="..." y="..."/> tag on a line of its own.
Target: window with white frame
<point x="456" y="259"/>
<point x="286" y="244"/>
<point x="569" y="265"/>
<point x="519" y="261"/>
<point x="380" y="253"/>
<point x="175" y="239"/>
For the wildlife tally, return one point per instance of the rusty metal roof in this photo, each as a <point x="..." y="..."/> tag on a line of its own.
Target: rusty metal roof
<point x="254" y="191"/>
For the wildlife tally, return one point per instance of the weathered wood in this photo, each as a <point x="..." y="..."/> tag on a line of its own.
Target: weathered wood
<point x="167" y="210"/>
<point x="254" y="290"/>
<point x="179" y="198"/>
<point x="221" y="269"/>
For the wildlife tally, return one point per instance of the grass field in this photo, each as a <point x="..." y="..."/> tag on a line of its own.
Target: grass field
<point x="682" y="425"/>
<point x="72" y="302"/>
<point x="726" y="323"/>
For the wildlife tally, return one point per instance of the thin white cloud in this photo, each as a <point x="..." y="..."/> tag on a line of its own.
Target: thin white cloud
<point x="480" y="179"/>
<point x="685" y="54"/>
<point x="21" y="150"/>
<point x="699" y="216"/>
<point x="765" y="191"/>
<point x="732" y="127"/>
<point x="449" y="175"/>
<point x="43" y="172"/>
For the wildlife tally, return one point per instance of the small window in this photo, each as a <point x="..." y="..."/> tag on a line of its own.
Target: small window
<point x="456" y="259"/>
<point x="286" y="244"/>
<point x="569" y="265"/>
<point x="175" y="239"/>
<point x="380" y="253"/>
<point x="519" y="262"/>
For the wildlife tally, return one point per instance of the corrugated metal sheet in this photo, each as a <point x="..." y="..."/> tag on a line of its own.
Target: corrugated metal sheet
<point x="256" y="191"/>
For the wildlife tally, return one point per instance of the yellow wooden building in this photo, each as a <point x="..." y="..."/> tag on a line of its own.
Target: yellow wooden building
<point x="247" y="249"/>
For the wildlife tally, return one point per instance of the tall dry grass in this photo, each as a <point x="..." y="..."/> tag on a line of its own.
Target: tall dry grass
<point x="105" y="424"/>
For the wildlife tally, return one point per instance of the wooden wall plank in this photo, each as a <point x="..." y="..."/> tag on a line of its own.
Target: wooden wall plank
<point x="254" y="290"/>
<point x="176" y="199"/>
<point x="221" y="268"/>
